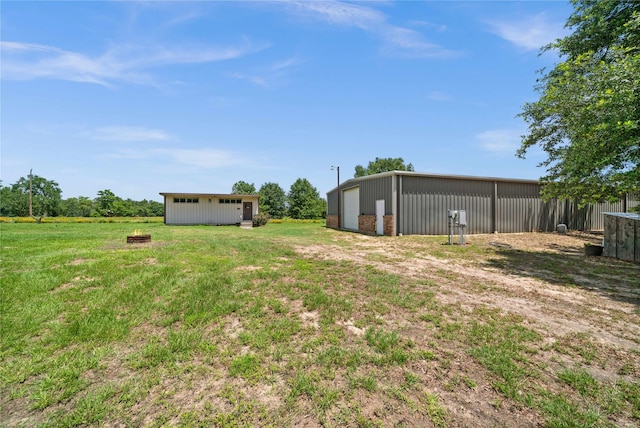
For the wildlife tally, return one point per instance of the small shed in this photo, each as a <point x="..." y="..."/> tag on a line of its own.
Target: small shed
<point x="622" y="236"/>
<point x="209" y="208"/>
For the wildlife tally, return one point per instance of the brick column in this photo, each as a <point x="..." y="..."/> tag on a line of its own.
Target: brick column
<point x="389" y="225"/>
<point x="367" y="224"/>
<point x="333" y="221"/>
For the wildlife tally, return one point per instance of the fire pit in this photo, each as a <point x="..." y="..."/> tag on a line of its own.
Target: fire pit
<point x="138" y="238"/>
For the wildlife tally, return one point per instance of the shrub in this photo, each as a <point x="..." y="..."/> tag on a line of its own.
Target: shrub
<point x="260" y="219"/>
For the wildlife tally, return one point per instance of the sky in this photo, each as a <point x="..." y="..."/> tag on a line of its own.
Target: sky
<point x="143" y="97"/>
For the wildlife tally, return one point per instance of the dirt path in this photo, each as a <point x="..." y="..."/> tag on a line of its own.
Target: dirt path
<point x="606" y="308"/>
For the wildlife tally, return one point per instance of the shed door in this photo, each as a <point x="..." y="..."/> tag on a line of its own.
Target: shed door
<point x="247" y="211"/>
<point x="351" y="208"/>
<point x="380" y="217"/>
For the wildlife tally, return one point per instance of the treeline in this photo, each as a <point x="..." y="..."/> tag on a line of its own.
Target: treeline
<point x="301" y="202"/>
<point x="46" y="201"/>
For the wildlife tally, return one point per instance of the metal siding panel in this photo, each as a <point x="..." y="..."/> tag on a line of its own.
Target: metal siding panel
<point x="375" y="189"/>
<point x="427" y="200"/>
<point x="332" y="203"/>
<point x="520" y="208"/>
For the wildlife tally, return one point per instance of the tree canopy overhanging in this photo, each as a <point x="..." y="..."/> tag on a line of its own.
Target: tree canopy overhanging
<point x="243" y="188"/>
<point x="382" y="165"/>
<point x="587" y="118"/>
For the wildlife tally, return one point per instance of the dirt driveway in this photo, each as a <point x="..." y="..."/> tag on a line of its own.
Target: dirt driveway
<point x="586" y="306"/>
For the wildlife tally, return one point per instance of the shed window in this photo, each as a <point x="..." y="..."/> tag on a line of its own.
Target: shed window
<point x="186" y="200"/>
<point x="230" y="201"/>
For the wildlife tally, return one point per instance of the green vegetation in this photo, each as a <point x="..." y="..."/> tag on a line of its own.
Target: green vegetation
<point x="219" y="326"/>
<point x="587" y="119"/>
<point x="305" y="201"/>
<point x="382" y="165"/>
<point x="273" y="200"/>
<point x="46" y="201"/>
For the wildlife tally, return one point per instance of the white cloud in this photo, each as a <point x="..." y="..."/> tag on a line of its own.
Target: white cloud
<point x="128" y="133"/>
<point x="25" y="61"/>
<point x="339" y="13"/>
<point x="409" y="43"/>
<point x="202" y="158"/>
<point x="530" y="33"/>
<point x="399" y="41"/>
<point x="499" y="141"/>
<point x="267" y="76"/>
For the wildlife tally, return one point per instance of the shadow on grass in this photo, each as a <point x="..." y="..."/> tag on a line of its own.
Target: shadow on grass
<point x="568" y="266"/>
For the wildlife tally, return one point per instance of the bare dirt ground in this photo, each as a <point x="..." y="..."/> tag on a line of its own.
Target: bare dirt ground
<point x="574" y="302"/>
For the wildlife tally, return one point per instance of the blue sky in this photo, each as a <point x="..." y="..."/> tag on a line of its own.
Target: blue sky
<point x="148" y="97"/>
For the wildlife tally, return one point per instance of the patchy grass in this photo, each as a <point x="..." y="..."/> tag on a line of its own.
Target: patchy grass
<point x="295" y="324"/>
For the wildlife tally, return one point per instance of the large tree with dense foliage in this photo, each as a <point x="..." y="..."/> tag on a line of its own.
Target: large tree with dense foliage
<point x="382" y="165"/>
<point x="243" y="188"/>
<point x="45" y="198"/>
<point x="305" y="201"/>
<point x="587" y="118"/>
<point x="105" y="202"/>
<point x="76" y="207"/>
<point x="273" y="200"/>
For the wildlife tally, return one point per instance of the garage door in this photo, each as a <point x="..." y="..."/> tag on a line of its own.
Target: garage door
<point x="351" y="208"/>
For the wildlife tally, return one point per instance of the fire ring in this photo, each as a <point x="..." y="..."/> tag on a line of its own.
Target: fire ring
<point x="138" y="239"/>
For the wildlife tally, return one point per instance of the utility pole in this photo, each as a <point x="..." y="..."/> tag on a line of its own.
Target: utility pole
<point x="31" y="193"/>
<point x="339" y="213"/>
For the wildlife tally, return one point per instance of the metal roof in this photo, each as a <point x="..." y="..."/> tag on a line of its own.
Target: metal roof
<point x="428" y="175"/>
<point x="210" y="195"/>
<point x="625" y="215"/>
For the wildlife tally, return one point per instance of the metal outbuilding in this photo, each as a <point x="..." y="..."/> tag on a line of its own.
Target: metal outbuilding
<point x="410" y="203"/>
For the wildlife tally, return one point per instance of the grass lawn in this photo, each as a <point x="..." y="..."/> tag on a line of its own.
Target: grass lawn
<point x="295" y="324"/>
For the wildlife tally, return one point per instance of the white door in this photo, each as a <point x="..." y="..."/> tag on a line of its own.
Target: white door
<point x="380" y="217"/>
<point x="351" y="208"/>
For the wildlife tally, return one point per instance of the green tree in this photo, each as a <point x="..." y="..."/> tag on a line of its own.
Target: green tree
<point x="243" y="188"/>
<point x="382" y="165"/>
<point x="147" y="208"/>
<point x="123" y="208"/>
<point x="5" y="200"/>
<point x="76" y="207"/>
<point x="273" y="200"/>
<point x="304" y="201"/>
<point x="105" y="203"/>
<point x="587" y="118"/>
<point x="45" y="199"/>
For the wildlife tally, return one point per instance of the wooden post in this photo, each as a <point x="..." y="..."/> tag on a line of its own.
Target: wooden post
<point x="31" y="193"/>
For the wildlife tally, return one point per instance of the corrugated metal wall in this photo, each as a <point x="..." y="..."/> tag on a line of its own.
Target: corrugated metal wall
<point x="425" y="201"/>
<point x="372" y="190"/>
<point x="519" y="208"/>
<point x="491" y="205"/>
<point x="332" y="203"/>
<point x="590" y="217"/>
<point x="633" y="201"/>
